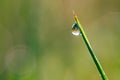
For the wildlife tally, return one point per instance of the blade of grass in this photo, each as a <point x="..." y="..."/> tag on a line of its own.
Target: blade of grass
<point x="97" y="63"/>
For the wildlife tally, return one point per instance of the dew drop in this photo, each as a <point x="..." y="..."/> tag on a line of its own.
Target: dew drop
<point x="75" y="29"/>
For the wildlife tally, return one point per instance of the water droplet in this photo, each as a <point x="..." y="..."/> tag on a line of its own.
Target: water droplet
<point x="75" y="29"/>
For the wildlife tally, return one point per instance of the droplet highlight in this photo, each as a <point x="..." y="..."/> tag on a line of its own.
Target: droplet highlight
<point x="75" y="29"/>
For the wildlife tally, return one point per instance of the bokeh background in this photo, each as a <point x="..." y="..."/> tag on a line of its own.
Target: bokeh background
<point x="36" y="41"/>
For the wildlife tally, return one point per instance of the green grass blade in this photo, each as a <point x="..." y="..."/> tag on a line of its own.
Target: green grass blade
<point x="97" y="63"/>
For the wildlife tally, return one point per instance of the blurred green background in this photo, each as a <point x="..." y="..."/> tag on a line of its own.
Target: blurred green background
<point x="36" y="41"/>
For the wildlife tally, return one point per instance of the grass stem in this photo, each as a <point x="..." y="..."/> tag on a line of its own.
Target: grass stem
<point x="97" y="63"/>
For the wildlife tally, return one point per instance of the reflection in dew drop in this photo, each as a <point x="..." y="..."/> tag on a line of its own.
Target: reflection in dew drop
<point x="75" y="29"/>
<point x="76" y="33"/>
